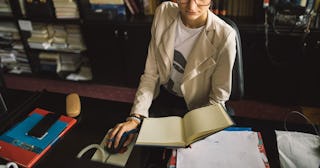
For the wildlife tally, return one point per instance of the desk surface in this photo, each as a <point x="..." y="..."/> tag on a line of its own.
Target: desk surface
<point x="97" y="116"/>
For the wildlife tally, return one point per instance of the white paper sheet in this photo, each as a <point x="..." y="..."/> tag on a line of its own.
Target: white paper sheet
<point x="225" y="149"/>
<point x="298" y="149"/>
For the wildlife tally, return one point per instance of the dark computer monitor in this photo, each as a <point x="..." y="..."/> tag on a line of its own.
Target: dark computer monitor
<point x="3" y="111"/>
<point x="13" y="109"/>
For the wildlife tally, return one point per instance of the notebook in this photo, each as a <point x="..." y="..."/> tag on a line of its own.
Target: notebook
<point x="17" y="146"/>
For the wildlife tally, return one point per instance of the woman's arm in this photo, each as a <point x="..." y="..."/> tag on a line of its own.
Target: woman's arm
<point x="144" y="94"/>
<point x="222" y="76"/>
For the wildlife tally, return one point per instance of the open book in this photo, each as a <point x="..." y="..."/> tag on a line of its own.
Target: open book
<point x="174" y="131"/>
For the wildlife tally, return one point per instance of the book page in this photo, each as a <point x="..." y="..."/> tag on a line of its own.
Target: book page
<point x="164" y="131"/>
<point x="204" y="121"/>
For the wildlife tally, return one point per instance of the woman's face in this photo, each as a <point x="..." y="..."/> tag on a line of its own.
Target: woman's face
<point x="194" y="12"/>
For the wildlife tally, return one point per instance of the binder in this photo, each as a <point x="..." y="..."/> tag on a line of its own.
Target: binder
<point x="17" y="146"/>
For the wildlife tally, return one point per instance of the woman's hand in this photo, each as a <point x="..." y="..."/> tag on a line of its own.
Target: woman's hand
<point x="119" y="129"/>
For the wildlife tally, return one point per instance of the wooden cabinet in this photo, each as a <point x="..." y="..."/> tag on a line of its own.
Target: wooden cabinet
<point x="136" y="49"/>
<point x="105" y="54"/>
<point x="309" y="91"/>
<point x="117" y="51"/>
<point x="286" y="72"/>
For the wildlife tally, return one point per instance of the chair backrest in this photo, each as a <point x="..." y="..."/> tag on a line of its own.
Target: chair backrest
<point x="3" y="86"/>
<point x="237" y="72"/>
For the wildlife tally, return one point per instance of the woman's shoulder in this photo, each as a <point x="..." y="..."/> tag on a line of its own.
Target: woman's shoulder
<point x="220" y="26"/>
<point x="220" y="23"/>
<point x="168" y="8"/>
<point x="168" y="5"/>
<point x="165" y="13"/>
<point x="218" y="30"/>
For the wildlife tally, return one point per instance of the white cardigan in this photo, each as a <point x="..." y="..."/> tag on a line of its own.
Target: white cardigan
<point x="208" y="73"/>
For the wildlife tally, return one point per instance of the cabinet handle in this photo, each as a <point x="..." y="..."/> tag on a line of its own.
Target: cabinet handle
<point x="125" y="35"/>
<point x="317" y="44"/>
<point x="116" y="33"/>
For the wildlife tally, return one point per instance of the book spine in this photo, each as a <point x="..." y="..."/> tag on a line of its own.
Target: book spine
<point x="317" y="5"/>
<point x="118" y="9"/>
<point x="104" y="6"/>
<point x="215" y="7"/>
<point x="229" y="7"/>
<point x="223" y="7"/>
<point x="235" y="8"/>
<point x="147" y="7"/>
<point x="262" y="150"/>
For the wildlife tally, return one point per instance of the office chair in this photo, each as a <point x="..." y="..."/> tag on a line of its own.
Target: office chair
<point x="237" y="91"/>
<point x="2" y="81"/>
<point x="237" y="71"/>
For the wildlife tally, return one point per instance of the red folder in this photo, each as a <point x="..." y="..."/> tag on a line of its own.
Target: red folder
<point x="16" y="146"/>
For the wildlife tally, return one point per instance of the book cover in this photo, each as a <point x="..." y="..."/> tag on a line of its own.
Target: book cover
<point x="195" y="125"/>
<point x="26" y="150"/>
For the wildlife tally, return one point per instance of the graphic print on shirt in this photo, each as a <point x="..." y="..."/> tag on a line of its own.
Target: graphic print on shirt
<point x="179" y="63"/>
<point x="185" y="38"/>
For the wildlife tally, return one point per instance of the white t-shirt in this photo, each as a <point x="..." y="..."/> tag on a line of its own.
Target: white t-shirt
<point x="184" y="42"/>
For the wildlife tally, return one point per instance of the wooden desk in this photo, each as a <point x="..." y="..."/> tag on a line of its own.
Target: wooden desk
<point x="97" y="116"/>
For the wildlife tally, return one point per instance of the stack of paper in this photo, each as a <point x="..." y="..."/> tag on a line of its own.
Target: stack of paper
<point x="49" y="61"/>
<point x="74" y="38"/>
<point x="66" y="9"/>
<point x="225" y="149"/>
<point x="12" y="55"/>
<point x="56" y="37"/>
<point x="59" y="37"/>
<point x="84" y="74"/>
<point x="39" y="37"/>
<point x="4" y="7"/>
<point x="69" y="62"/>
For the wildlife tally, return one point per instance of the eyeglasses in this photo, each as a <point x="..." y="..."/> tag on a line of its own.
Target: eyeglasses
<point x="198" y="2"/>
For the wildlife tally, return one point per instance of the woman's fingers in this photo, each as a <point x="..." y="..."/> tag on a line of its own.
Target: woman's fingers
<point x="129" y="140"/>
<point x="112" y="134"/>
<point x="119" y="135"/>
<point x="116" y="133"/>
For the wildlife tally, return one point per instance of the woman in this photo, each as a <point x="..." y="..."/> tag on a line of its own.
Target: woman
<point x="191" y="54"/>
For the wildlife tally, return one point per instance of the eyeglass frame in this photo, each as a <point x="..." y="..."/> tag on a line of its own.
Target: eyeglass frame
<point x="196" y="1"/>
